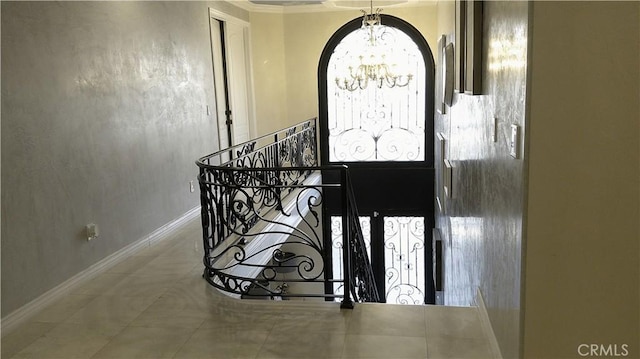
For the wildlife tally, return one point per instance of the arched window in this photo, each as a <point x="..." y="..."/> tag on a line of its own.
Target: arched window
<point x="377" y="123"/>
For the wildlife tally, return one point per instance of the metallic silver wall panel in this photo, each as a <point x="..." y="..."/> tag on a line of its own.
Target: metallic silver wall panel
<point x="481" y="224"/>
<point x="103" y="115"/>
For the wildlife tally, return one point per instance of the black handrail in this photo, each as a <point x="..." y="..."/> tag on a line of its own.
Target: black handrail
<point x="250" y="195"/>
<point x="364" y="288"/>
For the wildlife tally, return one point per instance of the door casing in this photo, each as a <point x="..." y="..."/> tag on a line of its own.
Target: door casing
<point x="231" y="59"/>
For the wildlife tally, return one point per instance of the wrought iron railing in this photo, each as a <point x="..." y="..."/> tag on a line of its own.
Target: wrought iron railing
<point x="261" y="208"/>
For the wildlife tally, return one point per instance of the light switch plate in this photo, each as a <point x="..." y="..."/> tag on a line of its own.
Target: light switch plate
<point x="514" y="143"/>
<point x="448" y="179"/>
<point x="494" y="130"/>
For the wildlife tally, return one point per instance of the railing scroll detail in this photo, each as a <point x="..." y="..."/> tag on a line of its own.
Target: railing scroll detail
<point x="262" y="221"/>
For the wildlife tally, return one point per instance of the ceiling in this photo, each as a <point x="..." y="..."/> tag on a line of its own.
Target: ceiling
<point x="286" y="2"/>
<point x="323" y="5"/>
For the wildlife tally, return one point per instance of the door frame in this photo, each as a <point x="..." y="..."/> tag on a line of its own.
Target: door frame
<point x="220" y="98"/>
<point x="422" y="173"/>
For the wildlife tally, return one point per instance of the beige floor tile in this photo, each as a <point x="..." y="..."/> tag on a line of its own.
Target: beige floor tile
<point x="304" y="305"/>
<point x="111" y="313"/>
<point x="159" y="247"/>
<point x="312" y="319"/>
<point x="157" y="305"/>
<point x="198" y="270"/>
<point x="62" y="309"/>
<point x="377" y="346"/>
<point x="223" y="318"/>
<point x="214" y="343"/>
<point x="447" y="347"/>
<point x="168" y="266"/>
<point x="461" y="322"/>
<point x="145" y="343"/>
<point x="142" y="285"/>
<point x="187" y="248"/>
<point x="67" y="329"/>
<point x="190" y="292"/>
<point x="99" y="284"/>
<point x="66" y="341"/>
<point x="170" y="318"/>
<point x="23" y="336"/>
<point x="387" y="319"/>
<point x="131" y="264"/>
<point x="302" y="345"/>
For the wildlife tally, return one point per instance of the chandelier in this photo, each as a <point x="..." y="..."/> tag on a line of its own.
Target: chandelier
<point x="373" y="57"/>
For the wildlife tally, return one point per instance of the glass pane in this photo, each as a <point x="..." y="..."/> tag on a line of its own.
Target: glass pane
<point x="404" y="258"/>
<point x="377" y="124"/>
<point x="336" y="247"/>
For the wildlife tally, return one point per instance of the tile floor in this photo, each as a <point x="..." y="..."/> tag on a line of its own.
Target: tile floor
<point x="155" y="304"/>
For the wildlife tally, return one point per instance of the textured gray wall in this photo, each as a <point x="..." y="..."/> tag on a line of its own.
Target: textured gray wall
<point x="103" y="116"/>
<point x="482" y="225"/>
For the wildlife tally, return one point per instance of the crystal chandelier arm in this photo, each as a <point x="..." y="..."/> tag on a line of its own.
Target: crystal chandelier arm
<point x="373" y="63"/>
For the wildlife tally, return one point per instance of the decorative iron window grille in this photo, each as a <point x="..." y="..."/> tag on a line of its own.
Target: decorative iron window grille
<point x="404" y="255"/>
<point x="377" y="123"/>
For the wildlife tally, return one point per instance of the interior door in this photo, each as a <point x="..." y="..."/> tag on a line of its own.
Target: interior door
<point x="238" y="73"/>
<point x="232" y="78"/>
<point x="220" y="81"/>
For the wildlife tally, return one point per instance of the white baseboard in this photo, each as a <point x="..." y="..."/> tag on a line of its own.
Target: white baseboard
<point x="27" y="311"/>
<point x="487" y="327"/>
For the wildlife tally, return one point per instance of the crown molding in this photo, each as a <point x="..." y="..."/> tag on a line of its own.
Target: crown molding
<point x="329" y="5"/>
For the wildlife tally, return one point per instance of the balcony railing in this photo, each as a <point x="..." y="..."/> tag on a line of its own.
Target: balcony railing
<point x="263" y="225"/>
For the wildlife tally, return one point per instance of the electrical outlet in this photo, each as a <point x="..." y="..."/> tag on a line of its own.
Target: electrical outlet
<point x="92" y="231"/>
<point x="191" y="187"/>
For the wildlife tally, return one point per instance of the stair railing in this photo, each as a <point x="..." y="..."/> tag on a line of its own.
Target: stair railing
<point x="262" y="222"/>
